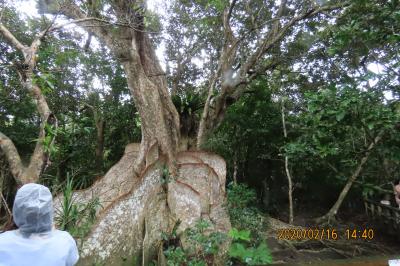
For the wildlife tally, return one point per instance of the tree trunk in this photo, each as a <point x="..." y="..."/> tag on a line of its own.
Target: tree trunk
<point x="288" y="175"/>
<point x="235" y="169"/>
<point x="290" y="190"/>
<point x="99" y="153"/>
<point x="132" y="47"/>
<point x="100" y="124"/>
<point x="333" y="211"/>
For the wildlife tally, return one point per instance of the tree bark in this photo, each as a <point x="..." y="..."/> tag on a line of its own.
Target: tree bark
<point x="333" y="211"/>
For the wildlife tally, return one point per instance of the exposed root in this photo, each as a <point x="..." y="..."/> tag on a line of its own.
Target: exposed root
<point x="299" y="249"/>
<point x="338" y="250"/>
<point x="326" y="220"/>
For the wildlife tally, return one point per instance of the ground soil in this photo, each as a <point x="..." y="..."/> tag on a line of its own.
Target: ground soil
<point x="376" y="251"/>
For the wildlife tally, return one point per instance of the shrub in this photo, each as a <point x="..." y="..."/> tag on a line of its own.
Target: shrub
<point x="75" y="217"/>
<point x="243" y="214"/>
<point x="203" y="246"/>
<point x="242" y="251"/>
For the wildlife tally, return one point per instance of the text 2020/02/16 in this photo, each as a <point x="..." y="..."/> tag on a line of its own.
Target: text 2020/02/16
<point x="324" y="234"/>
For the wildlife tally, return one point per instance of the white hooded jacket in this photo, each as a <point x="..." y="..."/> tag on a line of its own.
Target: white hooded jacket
<point x="35" y="243"/>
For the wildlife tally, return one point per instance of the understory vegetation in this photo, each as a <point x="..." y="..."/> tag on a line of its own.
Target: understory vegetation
<point x="248" y="245"/>
<point x="74" y="217"/>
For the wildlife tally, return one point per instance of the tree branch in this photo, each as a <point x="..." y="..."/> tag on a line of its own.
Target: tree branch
<point x="13" y="158"/>
<point x="333" y="211"/>
<point x="224" y="67"/>
<point x="232" y="87"/>
<point x="276" y="35"/>
<point x="39" y="158"/>
<point x="231" y="8"/>
<point x="11" y="39"/>
<point x="279" y="15"/>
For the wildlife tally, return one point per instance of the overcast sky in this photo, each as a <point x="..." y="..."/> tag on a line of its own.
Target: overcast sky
<point x="28" y="8"/>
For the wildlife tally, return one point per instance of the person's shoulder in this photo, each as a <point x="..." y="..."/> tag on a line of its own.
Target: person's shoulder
<point x="8" y="233"/>
<point x="67" y="236"/>
<point x="73" y="249"/>
<point x="5" y="236"/>
<point x="63" y="234"/>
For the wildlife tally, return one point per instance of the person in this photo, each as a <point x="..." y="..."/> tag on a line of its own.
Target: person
<point x="36" y="242"/>
<point x="396" y="190"/>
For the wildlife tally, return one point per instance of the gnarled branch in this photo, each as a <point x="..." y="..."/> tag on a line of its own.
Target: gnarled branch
<point x="39" y="158"/>
<point x="13" y="158"/>
<point x="232" y="90"/>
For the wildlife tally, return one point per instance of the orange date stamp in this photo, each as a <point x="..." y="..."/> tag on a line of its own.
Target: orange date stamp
<point x="324" y="234"/>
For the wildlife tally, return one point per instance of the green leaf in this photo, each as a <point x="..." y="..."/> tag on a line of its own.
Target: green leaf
<point x="87" y="129"/>
<point x="340" y="116"/>
<point x="237" y="250"/>
<point x="240" y="235"/>
<point x="331" y="51"/>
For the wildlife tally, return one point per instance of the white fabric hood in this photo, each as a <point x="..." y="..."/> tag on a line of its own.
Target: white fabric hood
<point x="33" y="209"/>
